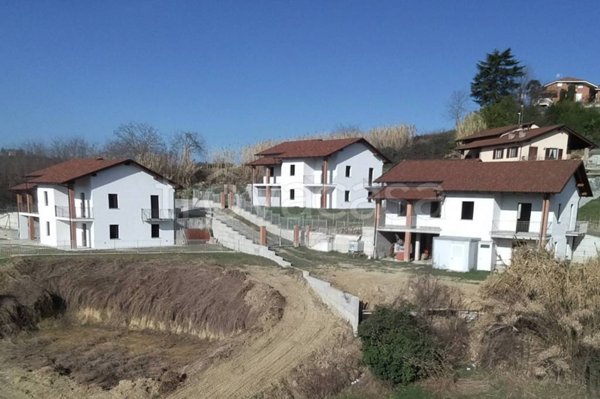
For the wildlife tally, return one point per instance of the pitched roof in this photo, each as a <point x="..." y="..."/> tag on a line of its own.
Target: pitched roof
<point x="73" y="169"/>
<point x="23" y="187"/>
<point x="265" y="161"/>
<point x="408" y="193"/>
<point x="476" y="176"/>
<point x="494" y="132"/>
<point x="70" y="170"/>
<point x="523" y="135"/>
<point x="569" y="79"/>
<point x="315" y="148"/>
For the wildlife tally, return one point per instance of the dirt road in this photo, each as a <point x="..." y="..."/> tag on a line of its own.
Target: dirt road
<point x="306" y="326"/>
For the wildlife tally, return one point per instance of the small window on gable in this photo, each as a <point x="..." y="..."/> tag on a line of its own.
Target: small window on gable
<point x="292" y="194"/>
<point x="348" y="167"/>
<point x="292" y="170"/>
<point x="435" y="209"/>
<point x="346" y="196"/>
<point x="512" y="152"/>
<point x="46" y="198"/>
<point x="499" y="153"/>
<point x="155" y="231"/>
<point x="113" y="201"/>
<point x="113" y="231"/>
<point x="467" y="210"/>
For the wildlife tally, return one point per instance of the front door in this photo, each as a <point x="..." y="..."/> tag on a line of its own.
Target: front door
<point x="532" y="153"/>
<point x="523" y="217"/>
<point x="154" y="214"/>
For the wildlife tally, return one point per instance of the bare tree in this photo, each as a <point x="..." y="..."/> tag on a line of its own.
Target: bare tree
<point x="457" y="106"/>
<point x="75" y="147"/>
<point x="135" y="140"/>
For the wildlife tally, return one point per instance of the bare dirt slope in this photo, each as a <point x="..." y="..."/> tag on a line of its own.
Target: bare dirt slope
<point x="305" y="327"/>
<point x="159" y="327"/>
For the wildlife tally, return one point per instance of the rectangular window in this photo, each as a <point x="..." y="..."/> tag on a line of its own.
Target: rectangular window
<point x="551" y="153"/>
<point x="46" y="198"/>
<point x="155" y="232"/>
<point x="512" y="152"/>
<point x="292" y="194"/>
<point x="47" y="228"/>
<point x="499" y="153"/>
<point x="370" y="176"/>
<point x="467" y="210"/>
<point x="558" y="214"/>
<point x="369" y="194"/>
<point x="435" y="210"/>
<point x="348" y="171"/>
<point x="114" y="231"/>
<point x="292" y="170"/>
<point x="113" y="201"/>
<point x="347" y="196"/>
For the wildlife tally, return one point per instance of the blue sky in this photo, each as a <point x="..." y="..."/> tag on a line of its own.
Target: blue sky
<point x="241" y="71"/>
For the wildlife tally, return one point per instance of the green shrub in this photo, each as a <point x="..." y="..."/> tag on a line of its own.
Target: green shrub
<point x="397" y="347"/>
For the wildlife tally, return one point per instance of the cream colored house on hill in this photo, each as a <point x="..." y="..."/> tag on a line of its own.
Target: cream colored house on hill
<point x="523" y="142"/>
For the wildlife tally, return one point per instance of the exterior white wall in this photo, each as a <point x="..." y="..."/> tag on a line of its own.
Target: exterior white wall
<point x="307" y="179"/>
<point x="360" y="159"/>
<point x="558" y="140"/>
<point x="133" y="187"/>
<point x="568" y="200"/>
<point x="59" y="230"/>
<point x="494" y="213"/>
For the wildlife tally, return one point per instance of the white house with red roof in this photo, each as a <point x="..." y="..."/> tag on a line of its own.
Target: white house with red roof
<point x="97" y="203"/>
<point x="523" y="142"/>
<point x="333" y="174"/>
<point x="468" y="214"/>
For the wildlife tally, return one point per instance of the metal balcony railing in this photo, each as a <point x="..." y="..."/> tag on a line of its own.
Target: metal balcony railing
<point x="80" y="212"/>
<point x="158" y="214"/>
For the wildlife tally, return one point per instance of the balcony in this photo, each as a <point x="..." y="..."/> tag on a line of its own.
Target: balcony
<point x="314" y="180"/>
<point x="62" y="212"/>
<point x="33" y="208"/>
<point x="158" y="215"/>
<point x="268" y="181"/>
<point x="519" y="229"/>
<point x="581" y="228"/>
<point x="369" y="184"/>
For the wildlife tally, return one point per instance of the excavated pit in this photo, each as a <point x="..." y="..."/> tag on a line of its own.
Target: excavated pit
<point x="102" y="321"/>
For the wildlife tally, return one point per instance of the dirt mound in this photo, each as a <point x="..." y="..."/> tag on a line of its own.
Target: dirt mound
<point x="207" y="302"/>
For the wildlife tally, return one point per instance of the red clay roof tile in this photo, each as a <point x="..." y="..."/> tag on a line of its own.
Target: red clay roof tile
<point x="477" y="176"/>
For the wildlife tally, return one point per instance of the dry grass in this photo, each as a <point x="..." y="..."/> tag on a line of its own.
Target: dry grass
<point x="542" y="316"/>
<point x="207" y="302"/>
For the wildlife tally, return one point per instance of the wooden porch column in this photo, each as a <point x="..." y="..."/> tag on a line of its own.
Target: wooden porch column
<point x="268" y="190"/>
<point x="29" y="199"/>
<point x="253" y="183"/>
<point x="296" y="236"/>
<point x="262" y="236"/>
<point x="19" y="203"/>
<point x="408" y="234"/>
<point x="72" y="224"/>
<point x="324" y="173"/>
<point x="544" y="226"/>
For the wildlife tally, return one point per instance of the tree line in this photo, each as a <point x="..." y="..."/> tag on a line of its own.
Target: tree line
<point x="175" y="156"/>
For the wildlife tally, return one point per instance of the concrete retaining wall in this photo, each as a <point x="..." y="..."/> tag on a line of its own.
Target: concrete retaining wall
<point x="345" y="305"/>
<point x="588" y="248"/>
<point x="231" y="239"/>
